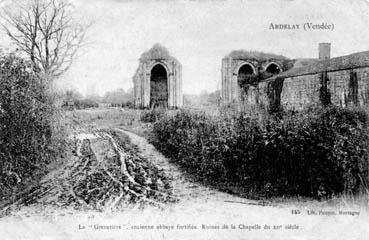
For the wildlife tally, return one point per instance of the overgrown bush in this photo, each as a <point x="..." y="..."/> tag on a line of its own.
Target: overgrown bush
<point x="128" y="104"/>
<point x="150" y="116"/>
<point x="85" y="103"/>
<point x="26" y="127"/>
<point x="316" y="153"/>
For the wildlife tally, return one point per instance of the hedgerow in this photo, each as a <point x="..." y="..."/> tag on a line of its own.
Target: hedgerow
<point x="26" y="124"/>
<point x="316" y="153"/>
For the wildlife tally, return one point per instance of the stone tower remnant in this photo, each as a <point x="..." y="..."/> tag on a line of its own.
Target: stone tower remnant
<point x="158" y="80"/>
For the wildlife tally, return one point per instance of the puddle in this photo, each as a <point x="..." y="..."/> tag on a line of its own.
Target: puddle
<point x="82" y="136"/>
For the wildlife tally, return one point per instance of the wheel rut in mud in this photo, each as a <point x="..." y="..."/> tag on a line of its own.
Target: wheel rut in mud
<point x="105" y="173"/>
<point x="183" y="186"/>
<point x="115" y="169"/>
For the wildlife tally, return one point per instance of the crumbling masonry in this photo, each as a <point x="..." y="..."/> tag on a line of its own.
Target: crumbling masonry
<point x="158" y="80"/>
<point x="295" y="84"/>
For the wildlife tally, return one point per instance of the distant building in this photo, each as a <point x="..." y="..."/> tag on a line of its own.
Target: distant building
<point x="158" y="80"/>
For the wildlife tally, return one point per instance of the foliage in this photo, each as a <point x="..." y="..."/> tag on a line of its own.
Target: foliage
<point x="242" y="54"/>
<point x="316" y="153"/>
<point x="153" y="115"/>
<point x="128" y="104"/>
<point x="74" y="100"/>
<point x="118" y="97"/>
<point x="208" y="102"/>
<point x="71" y="95"/>
<point x="85" y="103"/>
<point x="26" y="130"/>
<point x="156" y="52"/>
<point x="274" y="95"/>
<point x="324" y="94"/>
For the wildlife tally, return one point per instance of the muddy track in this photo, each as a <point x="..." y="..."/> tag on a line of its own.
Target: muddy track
<point x="183" y="187"/>
<point x="104" y="173"/>
<point x="114" y="169"/>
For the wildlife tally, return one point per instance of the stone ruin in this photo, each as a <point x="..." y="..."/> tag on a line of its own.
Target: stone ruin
<point x="260" y="80"/>
<point x="272" y="82"/>
<point x="158" y="80"/>
<point x="243" y="70"/>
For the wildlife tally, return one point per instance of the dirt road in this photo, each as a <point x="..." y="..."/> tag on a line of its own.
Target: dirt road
<point x="184" y="188"/>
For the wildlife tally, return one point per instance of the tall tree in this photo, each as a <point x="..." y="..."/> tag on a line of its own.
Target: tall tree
<point x="46" y="31"/>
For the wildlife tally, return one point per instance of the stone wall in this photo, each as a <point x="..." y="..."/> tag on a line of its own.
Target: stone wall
<point x="345" y="88"/>
<point x="348" y="87"/>
<point x="363" y="89"/>
<point x="300" y="91"/>
<point x="341" y="81"/>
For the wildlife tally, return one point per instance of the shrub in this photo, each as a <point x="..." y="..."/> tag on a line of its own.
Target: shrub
<point x="315" y="153"/>
<point x="85" y="103"/>
<point x="26" y="123"/>
<point x="150" y="116"/>
<point x="128" y="104"/>
<point x="79" y="104"/>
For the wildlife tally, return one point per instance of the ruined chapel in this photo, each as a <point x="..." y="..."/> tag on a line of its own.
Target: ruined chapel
<point x="158" y="80"/>
<point x="260" y="80"/>
<point x="273" y="82"/>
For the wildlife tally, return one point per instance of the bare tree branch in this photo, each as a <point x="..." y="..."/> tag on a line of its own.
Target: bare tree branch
<point x="46" y="31"/>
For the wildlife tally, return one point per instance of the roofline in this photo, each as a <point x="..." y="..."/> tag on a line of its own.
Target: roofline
<point x="312" y="73"/>
<point x="323" y="62"/>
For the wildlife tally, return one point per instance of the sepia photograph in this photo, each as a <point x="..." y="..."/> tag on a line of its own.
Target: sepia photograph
<point x="184" y="119"/>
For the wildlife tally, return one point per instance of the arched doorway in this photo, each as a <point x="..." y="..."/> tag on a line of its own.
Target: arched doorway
<point x="245" y="77"/>
<point x="273" y="69"/>
<point x="158" y="87"/>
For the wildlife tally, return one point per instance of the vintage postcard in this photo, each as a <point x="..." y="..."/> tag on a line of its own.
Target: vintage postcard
<point x="185" y="120"/>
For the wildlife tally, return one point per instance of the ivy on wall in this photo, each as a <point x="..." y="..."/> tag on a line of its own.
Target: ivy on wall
<point x="324" y="94"/>
<point x="353" y="89"/>
<point x="274" y="91"/>
<point x="245" y="81"/>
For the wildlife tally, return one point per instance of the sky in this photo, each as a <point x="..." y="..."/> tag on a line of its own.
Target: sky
<point x="200" y="33"/>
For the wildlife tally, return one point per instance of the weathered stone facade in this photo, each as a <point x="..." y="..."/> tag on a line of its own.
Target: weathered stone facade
<point x="158" y="80"/>
<point x="345" y="88"/>
<point x="341" y="81"/>
<point x="242" y="71"/>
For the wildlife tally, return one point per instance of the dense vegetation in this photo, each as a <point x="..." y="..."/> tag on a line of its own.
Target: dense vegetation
<point x="27" y="142"/>
<point x="72" y="99"/>
<point x="85" y="103"/>
<point x="316" y="153"/>
<point x="150" y="116"/>
<point x="204" y="100"/>
<point x="118" y="98"/>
